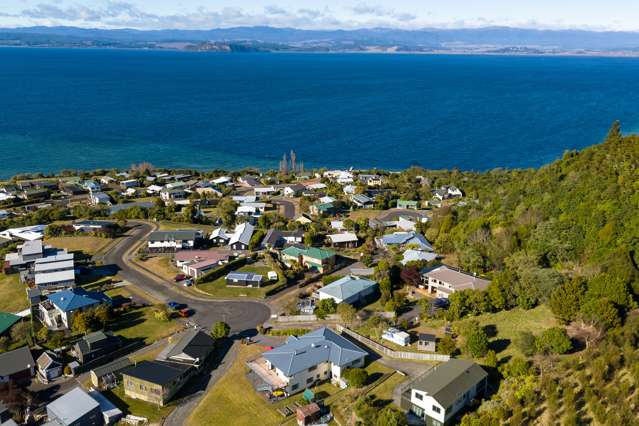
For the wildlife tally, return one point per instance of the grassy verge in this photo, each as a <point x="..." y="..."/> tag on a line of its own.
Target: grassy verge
<point x="13" y="296"/>
<point x="218" y="288"/>
<point x="162" y="266"/>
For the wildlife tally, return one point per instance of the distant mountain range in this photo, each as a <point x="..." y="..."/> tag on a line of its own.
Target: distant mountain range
<point x="480" y="40"/>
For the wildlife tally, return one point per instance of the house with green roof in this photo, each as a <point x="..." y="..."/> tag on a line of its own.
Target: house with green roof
<point x="320" y="260"/>
<point x="444" y="391"/>
<point x="408" y="204"/>
<point x="7" y="321"/>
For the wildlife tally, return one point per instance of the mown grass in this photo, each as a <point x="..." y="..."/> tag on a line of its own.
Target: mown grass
<point x="218" y="288"/>
<point x="13" y="296"/>
<point x="88" y="245"/>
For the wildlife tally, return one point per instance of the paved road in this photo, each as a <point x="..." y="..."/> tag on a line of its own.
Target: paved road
<point x="394" y="213"/>
<point x="288" y="207"/>
<point x="240" y="315"/>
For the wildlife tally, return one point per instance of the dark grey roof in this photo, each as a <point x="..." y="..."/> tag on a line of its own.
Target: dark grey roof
<point x="321" y="345"/>
<point x="427" y="337"/>
<point x="157" y="372"/>
<point x="194" y="343"/>
<point x="448" y="381"/>
<point x="179" y="235"/>
<point x="112" y="367"/>
<point x="15" y="361"/>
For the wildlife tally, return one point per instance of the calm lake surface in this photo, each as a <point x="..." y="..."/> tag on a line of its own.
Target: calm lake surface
<point x="84" y="109"/>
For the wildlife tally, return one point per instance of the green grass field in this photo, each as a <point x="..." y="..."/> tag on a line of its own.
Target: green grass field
<point x="86" y="244"/>
<point x="140" y="323"/>
<point x="218" y="288"/>
<point x="508" y="324"/>
<point x="13" y="296"/>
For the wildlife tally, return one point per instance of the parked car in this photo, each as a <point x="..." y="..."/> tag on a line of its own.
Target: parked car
<point x="187" y="282"/>
<point x="173" y="305"/>
<point x="185" y="313"/>
<point x="179" y="277"/>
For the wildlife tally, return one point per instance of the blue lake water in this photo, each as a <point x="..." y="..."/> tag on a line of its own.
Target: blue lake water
<point x="84" y="109"/>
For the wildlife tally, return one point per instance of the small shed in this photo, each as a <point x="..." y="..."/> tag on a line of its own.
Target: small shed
<point x="426" y="342"/>
<point x="308" y="414"/>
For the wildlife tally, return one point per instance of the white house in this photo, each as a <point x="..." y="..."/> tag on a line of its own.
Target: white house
<point x="303" y="361"/>
<point x="445" y="280"/>
<point x="444" y="391"/>
<point x="160" y="241"/>
<point x="241" y="238"/>
<point x="294" y="190"/>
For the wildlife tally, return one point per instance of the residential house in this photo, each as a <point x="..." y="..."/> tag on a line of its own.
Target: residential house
<point x="223" y="180"/>
<point x="7" y="320"/>
<point x="192" y="348"/>
<point x="106" y="180"/>
<point x="303" y="361"/>
<point x="349" y="289"/>
<point x="317" y="259"/>
<point x="244" y="198"/>
<point x="58" y="310"/>
<point x="343" y="177"/>
<point x="109" y="375"/>
<point x="95" y="345"/>
<point x="404" y="239"/>
<point x="17" y="367"/>
<point x="408" y="204"/>
<point x="427" y="342"/>
<point x="34" y="195"/>
<point x="275" y="238"/>
<point x="176" y="194"/>
<point x="99" y="198"/>
<point x="349" y="189"/>
<point x="220" y="236"/>
<point x="294" y="190"/>
<point x="370" y="180"/>
<point x="196" y="263"/>
<point x="241" y="238"/>
<point x="444" y="280"/>
<point x="129" y="183"/>
<point x="396" y="336"/>
<point x="319" y="209"/>
<point x="412" y="255"/>
<point x="154" y="189"/>
<point x="248" y="180"/>
<point x="244" y="279"/>
<point x="265" y="191"/>
<point x="93" y="226"/>
<point x="438" y="396"/>
<point x="25" y="256"/>
<point x="75" y="408"/>
<point x="362" y="201"/>
<point x="91" y="185"/>
<point x="171" y="241"/>
<point x="303" y="219"/>
<point x="26" y="233"/>
<point x="72" y="189"/>
<point x="447" y="192"/>
<point x="54" y="271"/>
<point x="49" y="367"/>
<point x="155" y="381"/>
<point x="344" y="240"/>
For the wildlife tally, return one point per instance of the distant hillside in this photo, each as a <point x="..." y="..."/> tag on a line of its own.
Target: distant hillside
<point x="482" y="39"/>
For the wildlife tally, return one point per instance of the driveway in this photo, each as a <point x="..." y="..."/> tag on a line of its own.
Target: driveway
<point x="240" y="315"/>
<point x="288" y="207"/>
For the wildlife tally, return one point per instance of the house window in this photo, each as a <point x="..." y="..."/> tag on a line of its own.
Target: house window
<point x="309" y="380"/>
<point x="437" y="409"/>
<point x="295" y="386"/>
<point x="419" y="396"/>
<point x="312" y="368"/>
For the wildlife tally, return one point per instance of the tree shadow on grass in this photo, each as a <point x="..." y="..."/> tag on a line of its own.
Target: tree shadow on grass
<point x="499" y="345"/>
<point x="127" y="320"/>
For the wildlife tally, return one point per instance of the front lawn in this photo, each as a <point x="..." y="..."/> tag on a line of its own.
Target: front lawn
<point x="218" y="288"/>
<point x="140" y="323"/>
<point x="162" y="266"/>
<point x="504" y="327"/>
<point x="88" y="245"/>
<point x="13" y="296"/>
<point x="233" y="401"/>
<point x="136" y="407"/>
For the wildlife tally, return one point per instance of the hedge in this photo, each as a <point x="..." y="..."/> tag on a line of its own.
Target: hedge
<point x="222" y="270"/>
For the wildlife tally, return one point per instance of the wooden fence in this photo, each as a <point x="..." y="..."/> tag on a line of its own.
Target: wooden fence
<point x="383" y="350"/>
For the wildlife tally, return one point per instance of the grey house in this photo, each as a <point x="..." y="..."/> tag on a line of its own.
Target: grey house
<point x="193" y="348"/>
<point x="438" y="396"/>
<point x="75" y="408"/>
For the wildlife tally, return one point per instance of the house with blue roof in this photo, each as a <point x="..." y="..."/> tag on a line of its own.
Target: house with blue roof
<point x="56" y="312"/>
<point x="304" y="361"/>
<point x="404" y="239"/>
<point x="349" y="289"/>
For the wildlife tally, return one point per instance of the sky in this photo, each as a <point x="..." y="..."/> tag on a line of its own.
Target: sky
<point x="617" y="15"/>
